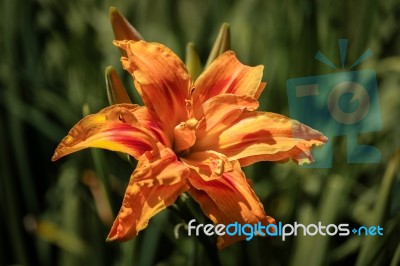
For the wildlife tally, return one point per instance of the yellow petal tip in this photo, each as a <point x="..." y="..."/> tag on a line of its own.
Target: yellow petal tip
<point x="55" y="157"/>
<point x="110" y="239"/>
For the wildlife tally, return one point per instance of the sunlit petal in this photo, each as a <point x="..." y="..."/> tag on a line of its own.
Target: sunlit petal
<point x="208" y="164"/>
<point x="219" y="112"/>
<point x="161" y="79"/>
<point x="114" y="128"/>
<point x="259" y="90"/>
<point x="259" y="136"/>
<point x="155" y="184"/>
<point x="227" y="200"/>
<point x="159" y="167"/>
<point x="227" y="75"/>
<point x="151" y="125"/>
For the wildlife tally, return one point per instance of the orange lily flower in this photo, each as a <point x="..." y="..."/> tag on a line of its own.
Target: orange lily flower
<point x="191" y="137"/>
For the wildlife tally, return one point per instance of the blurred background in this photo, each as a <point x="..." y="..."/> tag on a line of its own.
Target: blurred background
<point x="52" y="60"/>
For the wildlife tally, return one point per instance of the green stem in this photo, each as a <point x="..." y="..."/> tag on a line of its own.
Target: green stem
<point x="102" y="172"/>
<point x="185" y="212"/>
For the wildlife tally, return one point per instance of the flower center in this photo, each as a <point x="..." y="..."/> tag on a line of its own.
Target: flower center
<point x="185" y="135"/>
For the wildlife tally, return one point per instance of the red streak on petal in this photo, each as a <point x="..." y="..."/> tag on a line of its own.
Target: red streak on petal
<point x="134" y="143"/>
<point x="232" y="84"/>
<point x="130" y="136"/>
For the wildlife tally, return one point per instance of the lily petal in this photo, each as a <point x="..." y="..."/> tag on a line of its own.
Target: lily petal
<point x="263" y="136"/>
<point x="227" y="75"/>
<point x="115" y="128"/>
<point x="161" y="79"/>
<point x="155" y="184"/>
<point x="159" y="167"/>
<point x="208" y="164"/>
<point x="260" y="89"/>
<point x="227" y="200"/>
<point x="219" y="112"/>
<point x="152" y="125"/>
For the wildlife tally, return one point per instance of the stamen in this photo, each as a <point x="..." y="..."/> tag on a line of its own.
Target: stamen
<point x="185" y="135"/>
<point x="219" y="167"/>
<point x="192" y="123"/>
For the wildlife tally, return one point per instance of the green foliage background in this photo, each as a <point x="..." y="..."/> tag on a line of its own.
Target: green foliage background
<point x="52" y="59"/>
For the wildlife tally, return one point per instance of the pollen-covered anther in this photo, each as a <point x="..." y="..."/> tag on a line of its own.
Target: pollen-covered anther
<point x="192" y="123"/>
<point x="219" y="167"/>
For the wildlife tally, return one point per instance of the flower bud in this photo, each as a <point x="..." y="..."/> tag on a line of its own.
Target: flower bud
<point x="221" y="44"/>
<point x="193" y="64"/>
<point x="116" y="92"/>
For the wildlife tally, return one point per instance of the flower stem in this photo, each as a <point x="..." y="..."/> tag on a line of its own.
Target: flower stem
<point x="185" y="211"/>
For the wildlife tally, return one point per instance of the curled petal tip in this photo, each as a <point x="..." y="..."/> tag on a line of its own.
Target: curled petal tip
<point x="115" y="128"/>
<point x="112" y="236"/>
<point x="55" y="156"/>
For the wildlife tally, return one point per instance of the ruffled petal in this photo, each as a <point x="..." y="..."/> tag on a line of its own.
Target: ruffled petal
<point x="227" y="75"/>
<point x="161" y="79"/>
<point x="219" y="112"/>
<point x="114" y="128"/>
<point x="261" y="136"/>
<point x="155" y="184"/>
<point x="209" y="165"/>
<point x="229" y="199"/>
